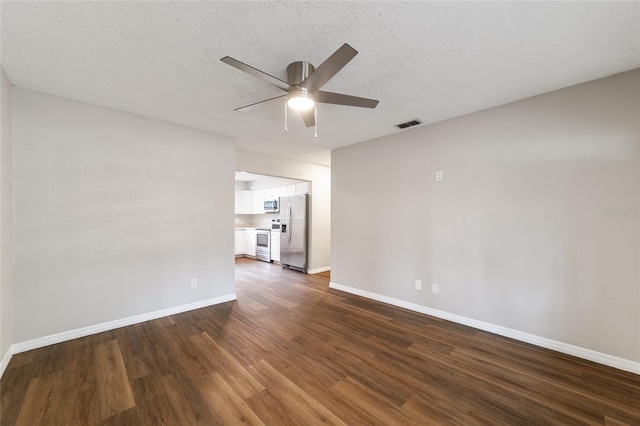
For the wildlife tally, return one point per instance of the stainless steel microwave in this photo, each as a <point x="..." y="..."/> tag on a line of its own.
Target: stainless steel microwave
<point x="271" y="206"/>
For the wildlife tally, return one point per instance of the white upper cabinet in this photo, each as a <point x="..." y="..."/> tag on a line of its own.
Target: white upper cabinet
<point x="258" y="201"/>
<point x="252" y="201"/>
<point x="303" y="188"/>
<point x="237" y="208"/>
<point x="243" y="202"/>
<point x="271" y="193"/>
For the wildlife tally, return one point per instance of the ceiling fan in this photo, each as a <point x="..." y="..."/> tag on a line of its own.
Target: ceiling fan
<point x="304" y="82"/>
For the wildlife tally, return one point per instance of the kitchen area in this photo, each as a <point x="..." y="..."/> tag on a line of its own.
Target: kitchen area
<point x="271" y="219"/>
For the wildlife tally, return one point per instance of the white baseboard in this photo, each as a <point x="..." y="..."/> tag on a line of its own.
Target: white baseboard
<point x="5" y="360"/>
<point x="318" y="270"/>
<point x="105" y="326"/>
<point x="588" y="354"/>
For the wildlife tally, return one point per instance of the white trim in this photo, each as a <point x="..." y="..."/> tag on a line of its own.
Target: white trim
<point x="588" y="354"/>
<point x="5" y="360"/>
<point x="105" y="326"/>
<point x="318" y="270"/>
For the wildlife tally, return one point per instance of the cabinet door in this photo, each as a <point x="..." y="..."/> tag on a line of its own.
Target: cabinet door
<point x="250" y="242"/>
<point x="238" y="208"/>
<point x="291" y="190"/>
<point x="257" y="201"/>
<point x="275" y="246"/>
<point x="246" y="202"/>
<point x="240" y="246"/>
<point x="302" y="188"/>
<point x="271" y="193"/>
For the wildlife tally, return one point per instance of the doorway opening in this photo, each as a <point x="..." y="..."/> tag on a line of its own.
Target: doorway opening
<point x="266" y="209"/>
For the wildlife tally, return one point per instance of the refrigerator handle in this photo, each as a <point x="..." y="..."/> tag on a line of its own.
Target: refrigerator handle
<point x="290" y="221"/>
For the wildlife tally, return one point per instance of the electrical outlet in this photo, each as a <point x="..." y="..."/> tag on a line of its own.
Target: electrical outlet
<point x="194" y="282"/>
<point x="418" y="285"/>
<point x="435" y="288"/>
<point x="439" y="176"/>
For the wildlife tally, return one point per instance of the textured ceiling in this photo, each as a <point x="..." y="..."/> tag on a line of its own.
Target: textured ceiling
<point x="429" y="61"/>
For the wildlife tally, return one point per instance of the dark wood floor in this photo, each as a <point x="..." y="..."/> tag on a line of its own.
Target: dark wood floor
<point x="290" y="351"/>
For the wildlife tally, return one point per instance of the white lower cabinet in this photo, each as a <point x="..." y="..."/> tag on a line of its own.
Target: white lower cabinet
<point x="245" y="242"/>
<point x="250" y="242"/>
<point x="275" y="246"/>
<point x="241" y="245"/>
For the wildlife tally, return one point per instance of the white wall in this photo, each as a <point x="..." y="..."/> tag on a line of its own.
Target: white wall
<point x="114" y="214"/>
<point x="271" y="182"/>
<point x="6" y="219"/>
<point x="320" y="199"/>
<point x="240" y="185"/>
<point x="518" y="234"/>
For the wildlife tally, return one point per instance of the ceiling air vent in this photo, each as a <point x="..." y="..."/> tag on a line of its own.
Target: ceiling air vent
<point x="408" y="124"/>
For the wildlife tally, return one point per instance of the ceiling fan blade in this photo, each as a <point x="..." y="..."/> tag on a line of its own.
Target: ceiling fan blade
<point x="341" y="99"/>
<point x="309" y="117"/>
<point x="259" y="102"/>
<point x="329" y="68"/>
<point x="256" y="73"/>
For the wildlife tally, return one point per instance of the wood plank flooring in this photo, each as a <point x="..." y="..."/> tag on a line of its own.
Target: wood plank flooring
<point x="290" y="351"/>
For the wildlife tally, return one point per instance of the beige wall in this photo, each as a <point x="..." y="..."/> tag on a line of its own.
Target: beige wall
<point x="114" y="214"/>
<point x="320" y="199"/>
<point x="519" y="233"/>
<point x="6" y="219"/>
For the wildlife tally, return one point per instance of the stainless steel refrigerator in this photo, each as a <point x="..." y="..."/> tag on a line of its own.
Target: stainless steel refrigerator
<point x="293" y="232"/>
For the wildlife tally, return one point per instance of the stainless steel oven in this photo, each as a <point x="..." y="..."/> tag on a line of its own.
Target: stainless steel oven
<point x="263" y="244"/>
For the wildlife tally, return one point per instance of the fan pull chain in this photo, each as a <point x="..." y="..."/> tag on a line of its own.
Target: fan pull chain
<point x="315" y="116"/>
<point x="285" y="117"/>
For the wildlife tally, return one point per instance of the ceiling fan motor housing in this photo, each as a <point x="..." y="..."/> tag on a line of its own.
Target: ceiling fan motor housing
<point x="298" y="71"/>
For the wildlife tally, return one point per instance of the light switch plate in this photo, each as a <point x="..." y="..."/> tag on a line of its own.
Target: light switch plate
<point x="435" y="288"/>
<point x="439" y="176"/>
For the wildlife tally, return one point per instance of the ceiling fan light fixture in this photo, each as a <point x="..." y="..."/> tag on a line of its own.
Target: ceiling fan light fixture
<point x="304" y="81"/>
<point x="300" y="100"/>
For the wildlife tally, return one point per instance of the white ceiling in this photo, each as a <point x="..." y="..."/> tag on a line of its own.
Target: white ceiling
<point x="424" y="60"/>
